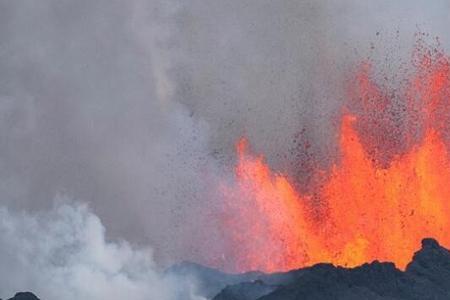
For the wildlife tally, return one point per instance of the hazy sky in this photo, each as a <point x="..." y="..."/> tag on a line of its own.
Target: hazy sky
<point x="133" y="107"/>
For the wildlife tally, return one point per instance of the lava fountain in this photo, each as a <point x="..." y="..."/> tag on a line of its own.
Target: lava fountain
<point x="384" y="194"/>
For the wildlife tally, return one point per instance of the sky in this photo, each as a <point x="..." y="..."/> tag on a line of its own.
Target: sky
<point x="129" y="112"/>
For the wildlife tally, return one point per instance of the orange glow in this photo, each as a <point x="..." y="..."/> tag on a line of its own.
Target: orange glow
<point x="366" y="210"/>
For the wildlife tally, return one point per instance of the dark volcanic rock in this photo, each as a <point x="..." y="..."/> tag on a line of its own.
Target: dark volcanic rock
<point x="426" y="277"/>
<point x="324" y="281"/>
<point x="24" y="296"/>
<point x="431" y="266"/>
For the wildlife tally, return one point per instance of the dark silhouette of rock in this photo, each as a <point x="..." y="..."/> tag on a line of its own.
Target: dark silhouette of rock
<point x="24" y="296"/>
<point x="431" y="266"/>
<point x="426" y="277"/>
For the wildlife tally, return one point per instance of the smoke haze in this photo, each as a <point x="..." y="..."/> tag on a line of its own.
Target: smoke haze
<point x="134" y="107"/>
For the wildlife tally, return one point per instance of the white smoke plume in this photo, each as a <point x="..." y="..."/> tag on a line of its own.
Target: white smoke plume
<point x="63" y="254"/>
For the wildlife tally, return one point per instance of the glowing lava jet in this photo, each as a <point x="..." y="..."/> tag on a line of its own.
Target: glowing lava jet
<point x="368" y="210"/>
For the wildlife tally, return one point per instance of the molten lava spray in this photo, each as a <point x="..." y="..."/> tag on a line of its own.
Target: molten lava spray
<point x="389" y="189"/>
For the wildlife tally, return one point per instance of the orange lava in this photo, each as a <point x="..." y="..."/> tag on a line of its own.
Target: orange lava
<point x="366" y="210"/>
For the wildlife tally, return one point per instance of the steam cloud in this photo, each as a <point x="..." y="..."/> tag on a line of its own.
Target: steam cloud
<point x="134" y="107"/>
<point x="62" y="254"/>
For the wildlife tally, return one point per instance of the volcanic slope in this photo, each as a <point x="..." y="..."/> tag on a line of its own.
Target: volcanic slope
<point x="427" y="276"/>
